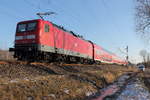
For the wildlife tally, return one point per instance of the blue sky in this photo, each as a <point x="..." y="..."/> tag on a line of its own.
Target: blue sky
<point x="108" y="23"/>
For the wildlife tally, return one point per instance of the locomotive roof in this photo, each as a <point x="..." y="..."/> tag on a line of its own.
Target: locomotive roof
<point x="60" y="27"/>
<point x="29" y="21"/>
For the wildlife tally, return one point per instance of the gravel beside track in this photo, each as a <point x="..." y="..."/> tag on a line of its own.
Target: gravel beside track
<point x="12" y="71"/>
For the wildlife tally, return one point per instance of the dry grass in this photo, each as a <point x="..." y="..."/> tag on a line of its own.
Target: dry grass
<point x="43" y="81"/>
<point x="145" y="77"/>
<point x="52" y="87"/>
<point x="6" y="55"/>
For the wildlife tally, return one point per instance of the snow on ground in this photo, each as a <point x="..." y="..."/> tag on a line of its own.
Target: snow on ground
<point x="135" y="90"/>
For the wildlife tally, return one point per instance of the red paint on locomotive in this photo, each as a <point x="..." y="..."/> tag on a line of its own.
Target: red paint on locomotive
<point x="52" y="38"/>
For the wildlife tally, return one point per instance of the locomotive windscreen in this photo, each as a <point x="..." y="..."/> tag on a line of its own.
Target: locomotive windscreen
<point x="23" y="27"/>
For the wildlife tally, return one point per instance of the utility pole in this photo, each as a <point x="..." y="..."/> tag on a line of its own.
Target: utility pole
<point x="127" y="55"/>
<point x="125" y="52"/>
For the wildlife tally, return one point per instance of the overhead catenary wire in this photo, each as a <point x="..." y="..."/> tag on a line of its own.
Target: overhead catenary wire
<point x="32" y="4"/>
<point x="14" y="12"/>
<point x="70" y="15"/>
<point x="115" y="25"/>
<point x="73" y="15"/>
<point x="9" y="15"/>
<point x="37" y="7"/>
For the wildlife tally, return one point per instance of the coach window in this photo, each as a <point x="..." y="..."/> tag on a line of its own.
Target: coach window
<point x="46" y="28"/>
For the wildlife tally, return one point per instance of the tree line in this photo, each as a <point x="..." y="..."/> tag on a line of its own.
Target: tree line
<point x="142" y="19"/>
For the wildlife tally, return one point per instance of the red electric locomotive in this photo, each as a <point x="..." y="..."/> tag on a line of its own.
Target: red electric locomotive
<point x="44" y="40"/>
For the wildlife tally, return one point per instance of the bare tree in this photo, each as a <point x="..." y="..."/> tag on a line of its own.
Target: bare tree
<point x="143" y="18"/>
<point x="143" y="54"/>
<point x="148" y="57"/>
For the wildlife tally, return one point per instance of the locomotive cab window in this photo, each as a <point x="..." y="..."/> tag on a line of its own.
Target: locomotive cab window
<point x="46" y="28"/>
<point x="31" y="26"/>
<point x="26" y="27"/>
<point x="21" y="28"/>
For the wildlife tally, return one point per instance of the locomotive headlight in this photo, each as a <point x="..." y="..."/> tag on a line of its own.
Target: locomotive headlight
<point x="18" y="37"/>
<point x="30" y="36"/>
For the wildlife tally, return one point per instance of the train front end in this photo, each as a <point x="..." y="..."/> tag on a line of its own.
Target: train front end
<point x="26" y="40"/>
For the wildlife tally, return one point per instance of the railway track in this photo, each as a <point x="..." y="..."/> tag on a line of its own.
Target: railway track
<point x="20" y="70"/>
